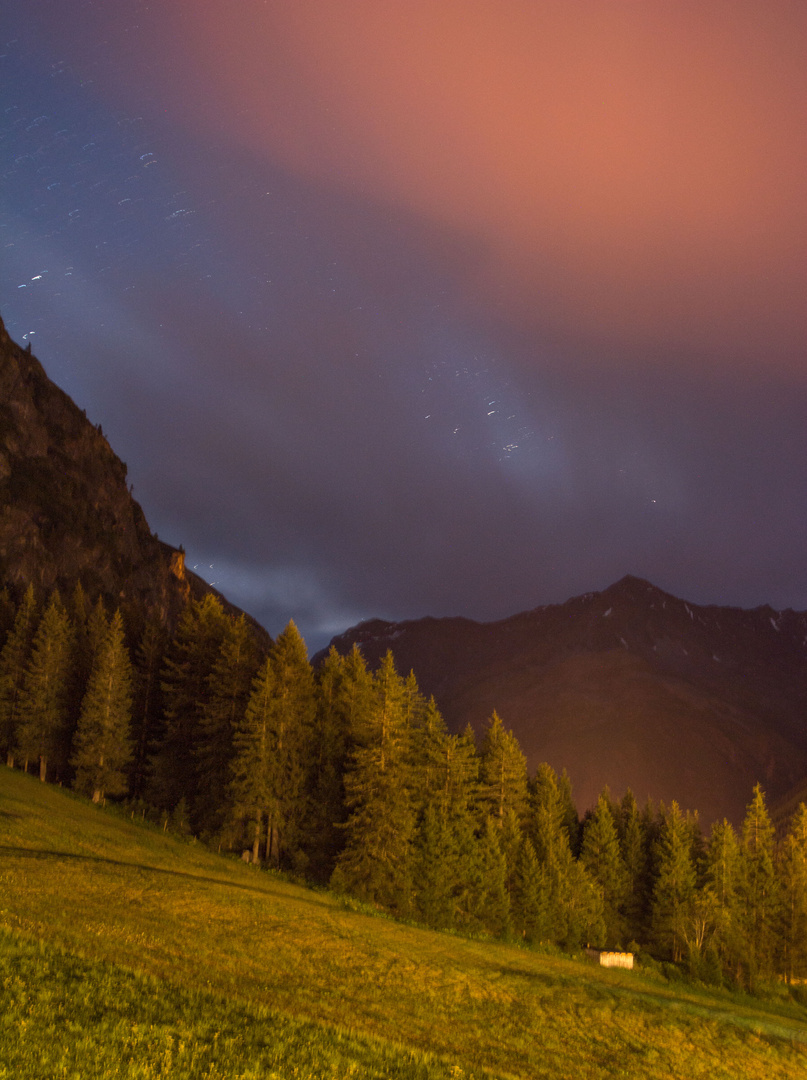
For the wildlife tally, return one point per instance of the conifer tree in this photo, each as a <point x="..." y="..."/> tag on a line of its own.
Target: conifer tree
<point x="435" y="866"/>
<point x="344" y="692"/>
<point x="429" y="747"/>
<point x="186" y="689"/>
<point x="147" y="708"/>
<point x="229" y="688"/>
<point x="8" y="613"/>
<point x="758" y="888"/>
<point x="574" y="904"/>
<point x="102" y="743"/>
<point x="793" y="876"/>
<point x="602" y="858"/>
<point x="13" y="665"/>
<point x="376" y="862"/>
<point x="635" y="907"/>
<point x="722" y="881"/>
<point x="294" y="709"/>
<point x="571" y="821"/>
<point x="43" y="701"/>
<point x="675" y="883"/>
<point x="502" y="772"/>
<point x="252" y="789"/>
<point x="492" y="901"/>
<point x="454" y="804"/>
<point x="531" y="908"/>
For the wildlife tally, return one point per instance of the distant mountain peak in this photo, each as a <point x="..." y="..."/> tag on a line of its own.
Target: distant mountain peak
<point x="630" y="686"/>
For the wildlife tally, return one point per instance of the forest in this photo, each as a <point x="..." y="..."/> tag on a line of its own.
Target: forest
<point x="348" y="777"/>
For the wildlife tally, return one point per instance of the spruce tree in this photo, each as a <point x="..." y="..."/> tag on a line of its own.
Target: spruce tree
<point x="793" y="908"/>
<point x="294" y="710"/>
<point x="186" y="689"/>
<point x="8" y="613"/>
<point x="344" y="690"/>
<point x="574" y="904"/>
<point x="435" y="858"/>
<point x="758" y="889"/>
<point x="675" y="883"/>
<point x="635" y="908"/>
<point x="531" y="903"/>
<point x="376" y="862"/>
<point x="722" y="880"/>
<point x="502" y="772"/>
<point x="252" y="790"/>
<point x="229" y="688"/>
<point x="147" y="708"/>
<point x="43" y="714"/>
<point x="492" y="901"/>
<point x="102" y="744"/>
<point x="602" y="858"/>
<point x="13" y="665"/>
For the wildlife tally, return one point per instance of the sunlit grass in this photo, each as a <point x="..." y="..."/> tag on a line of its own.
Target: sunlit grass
<point x="148" y="956"/>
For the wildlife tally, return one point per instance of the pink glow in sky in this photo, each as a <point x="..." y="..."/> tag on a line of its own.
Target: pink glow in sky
<point x="634" y="172"/>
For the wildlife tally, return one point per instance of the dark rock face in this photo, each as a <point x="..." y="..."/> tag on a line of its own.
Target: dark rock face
<point x="629" y="687"/>
<point x="66" y="513"/>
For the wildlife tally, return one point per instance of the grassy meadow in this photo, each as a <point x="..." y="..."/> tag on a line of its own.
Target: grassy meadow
<point x="126" y="952"/>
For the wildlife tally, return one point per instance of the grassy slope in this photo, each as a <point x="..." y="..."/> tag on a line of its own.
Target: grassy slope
<point x="125" y="952"/>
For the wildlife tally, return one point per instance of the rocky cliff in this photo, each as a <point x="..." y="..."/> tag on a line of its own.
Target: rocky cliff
<point x="66" y="513"/>
<point x="629" y="687"/>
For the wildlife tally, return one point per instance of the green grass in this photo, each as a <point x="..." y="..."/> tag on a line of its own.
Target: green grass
<point x="125" y="952"/>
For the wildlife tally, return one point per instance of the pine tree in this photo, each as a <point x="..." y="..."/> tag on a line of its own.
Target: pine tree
<point x="493" y="901"/>
<point x="8" y="612"/>
<point x="435" y="860"/>
<point x="102" y="744"/>
<point x="43" y="714"/>
<point x="531" y="903"/>
<point x="429" y="746"/>
<point x="186" y="689"/>
<point x="13" y="665"/>
<point x="502" y="773"/>
<point x="376" y="862"/>
<point x="793" y="876"/>
<point x="344" y="691"/>
<point x="675" y="883"/>
<point x="635" y="907"/>
<point x="252" y="788"/>
<point x="294" y="709"/>
<point x="147" y="708"/>
<point x="758" y="888"/>
<point x="722" y="880"/>
<point x="574" y="904"/>
<point x="602" y="858"/>
<point x="229" y="688"/>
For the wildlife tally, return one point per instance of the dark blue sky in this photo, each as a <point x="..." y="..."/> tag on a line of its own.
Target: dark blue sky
<point x="365" y="354"/>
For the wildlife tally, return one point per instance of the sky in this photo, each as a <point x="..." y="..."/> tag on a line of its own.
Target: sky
<point x="426" y="307"/>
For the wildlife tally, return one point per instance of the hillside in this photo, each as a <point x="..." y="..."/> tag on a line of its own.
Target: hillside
<point x="66" y="512"/>
<point x="629" y="687"/>
<point x="126" y="952"/>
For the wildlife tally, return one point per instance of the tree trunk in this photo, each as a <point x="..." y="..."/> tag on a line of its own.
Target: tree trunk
<point x="10" y="759"/>
<point x="256" y="845"/>
<point x="43" y="768"/>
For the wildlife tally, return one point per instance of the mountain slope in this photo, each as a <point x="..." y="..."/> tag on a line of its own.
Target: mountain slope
<point x="124" y="951"/>
<point x="66" y="513"/>
<point x="629" y="687"/>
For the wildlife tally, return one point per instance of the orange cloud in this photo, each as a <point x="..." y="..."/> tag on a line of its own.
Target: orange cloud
<point x="636" y="170"/>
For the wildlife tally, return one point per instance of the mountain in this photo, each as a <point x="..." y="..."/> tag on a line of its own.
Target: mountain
<point x="629" y="687"/>
<point x="66" y="513"/>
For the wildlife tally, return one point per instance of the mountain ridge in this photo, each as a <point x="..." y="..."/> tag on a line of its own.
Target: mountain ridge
<point x="630" y="687"/>
<point x="67" y="515"/>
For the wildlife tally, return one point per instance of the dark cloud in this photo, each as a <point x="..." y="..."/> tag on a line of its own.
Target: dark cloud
<point x="461" y="310"/>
